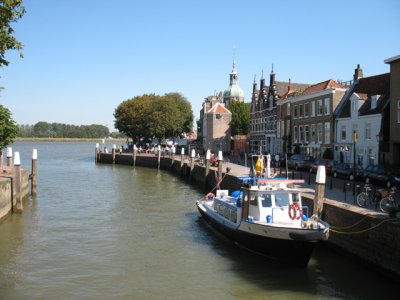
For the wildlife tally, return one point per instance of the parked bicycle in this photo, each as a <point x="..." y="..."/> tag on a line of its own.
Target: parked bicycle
<point x="389" y="203"/>
<point x="369" y="195"/>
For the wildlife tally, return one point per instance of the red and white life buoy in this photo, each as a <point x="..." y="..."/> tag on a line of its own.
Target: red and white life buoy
<point x="295" y="211"/>
<point x="210" y="197"/>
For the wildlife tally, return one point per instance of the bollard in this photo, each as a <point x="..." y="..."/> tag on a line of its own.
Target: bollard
<point x="9" y="157"/>
<point x="17" y="165"/>
<point x="319" y="191"/>
<point x="34" y="172"/>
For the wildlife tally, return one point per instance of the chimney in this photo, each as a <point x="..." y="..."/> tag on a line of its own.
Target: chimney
<point x="288" y="88"/>
<point x="358" y="73"/>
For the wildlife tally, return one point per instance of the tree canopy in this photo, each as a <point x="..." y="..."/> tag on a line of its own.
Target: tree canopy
<point x="58" y="130"/>
<point x="10" y="12"/>
<point x="8" y="128"/>
<point x="152" y="116"/>
<point x="240" y="124"/>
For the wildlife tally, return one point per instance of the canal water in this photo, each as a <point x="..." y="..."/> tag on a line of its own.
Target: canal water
<point x="118" y="232"/>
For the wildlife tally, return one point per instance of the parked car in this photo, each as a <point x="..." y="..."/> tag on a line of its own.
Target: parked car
<point x="384" y="175"/>
<point x="322" y="162"/>
<point x="346" y="170"/>
<point x="300" y="162"/>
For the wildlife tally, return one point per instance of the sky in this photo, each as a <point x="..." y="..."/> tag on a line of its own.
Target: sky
<point x="82" y="58"/>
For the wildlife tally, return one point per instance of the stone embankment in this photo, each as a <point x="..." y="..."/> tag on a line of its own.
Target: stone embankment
<point x="9" y="190"/>
<point x="368" y="235"/>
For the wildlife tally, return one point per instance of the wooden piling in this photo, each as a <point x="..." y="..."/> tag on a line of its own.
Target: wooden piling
<point x="9" y="157"/>
<point x="34" y="172"/>
<point x="220" y="160"/>
<point x="17" y="167"/>
<point x="319" y="191"/>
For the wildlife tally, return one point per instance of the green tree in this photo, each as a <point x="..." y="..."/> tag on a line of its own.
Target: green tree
<point x="240" y="123"/>
<point x="8" y="130"/>
<point x="10" y="12"/>
<point x="152" y="116"/>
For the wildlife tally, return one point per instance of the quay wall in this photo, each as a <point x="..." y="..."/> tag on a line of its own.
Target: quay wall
<point x="369" y="236"/>
<point x="8" y="191"/>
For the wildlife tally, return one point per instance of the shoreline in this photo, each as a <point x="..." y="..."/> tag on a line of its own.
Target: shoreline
<point x="69" y="139"/>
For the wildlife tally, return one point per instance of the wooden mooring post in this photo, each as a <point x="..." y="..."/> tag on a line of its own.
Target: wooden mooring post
<point x="9" y="157"/>
<point x="17" y="167"/>
<point x="319" y="191"/>
<point x="34" y="172"/>
<point x="220" y="160"/>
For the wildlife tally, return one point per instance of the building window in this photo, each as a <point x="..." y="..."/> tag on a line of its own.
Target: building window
<point x="295" y="111"/>
<point x="313" y="133"/>
<point x="368" y="131"/>
<point x="295" y="139"/>
<point x="319" y="134"/>
<point x="301" y="134"/>
<point x="306" y="109"/>
<point x="343" y="133"/>
<point x="301" y="114"/>
<point x="398" y="111"/>
<point x="306" y="134"/>
<point x="327" y="133"/>
<point x="319" y="107"/>
<point x="313" y="108"/>
<point x="327" y="106"/>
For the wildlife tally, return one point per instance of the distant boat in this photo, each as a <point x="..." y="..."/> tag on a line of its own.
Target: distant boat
<point x="267" y="218"/>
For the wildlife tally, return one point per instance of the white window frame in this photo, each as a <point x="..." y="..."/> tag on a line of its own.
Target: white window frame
<point x="368" y="131"/>
<point x="301" y="134"/>
<point x="319" y="107"/>
<point x="295" y="133"/>
<point x="398" y="111"/>
<point x="313" y="108"/>
<point x="327" y="133"/>
<point x="320" y="133"/>
<point x="343" y="133"/>
<point x="306" y="134"/>
<point x="327" y="106"/>
<point x="313" y="133"/>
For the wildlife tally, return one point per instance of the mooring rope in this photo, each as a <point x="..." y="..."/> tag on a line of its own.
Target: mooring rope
<point x="347" y="227"/>
<point x="364" y="230"/>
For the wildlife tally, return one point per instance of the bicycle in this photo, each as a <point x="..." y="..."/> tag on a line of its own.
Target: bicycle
<point x="389" y="203"/>
<point x="369" y="195"/>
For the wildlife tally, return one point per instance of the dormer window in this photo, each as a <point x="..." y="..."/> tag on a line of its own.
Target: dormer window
<point x="374" y="101"/>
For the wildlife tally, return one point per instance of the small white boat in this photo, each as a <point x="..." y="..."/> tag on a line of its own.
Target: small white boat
<point x="267" y="218"/>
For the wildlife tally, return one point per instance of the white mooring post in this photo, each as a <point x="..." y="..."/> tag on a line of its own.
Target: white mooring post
<point x="319" y="191"/>
<point x="34" y="172"/>
<point x="17" y="165"/>
<point x="9" y="157"/>
<point x="219" y="159"/>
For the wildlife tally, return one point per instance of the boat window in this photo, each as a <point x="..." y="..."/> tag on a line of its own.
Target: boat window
<point x="266" y="201"/>
<point x="282" y="199"/>
<point x="295" y="198"/>
<point x="254" y="200"/>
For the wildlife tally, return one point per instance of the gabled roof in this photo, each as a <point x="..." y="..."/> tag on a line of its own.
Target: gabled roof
<point x="365" y="88"/>
<point x="218" y="108"/>
<point x="329" y="84"/>
<point x="374" y="85"/>
<point x="365" y="109"/>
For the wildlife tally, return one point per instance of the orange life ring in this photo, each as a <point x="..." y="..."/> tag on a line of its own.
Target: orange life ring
<point x="293" y="209"/>
<point x="208" y="196"/>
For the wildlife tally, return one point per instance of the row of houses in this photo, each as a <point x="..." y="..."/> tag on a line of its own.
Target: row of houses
<point x="355" y="120"/>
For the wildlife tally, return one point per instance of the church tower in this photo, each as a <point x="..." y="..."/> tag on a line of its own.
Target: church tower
<point x="233" y="92"/>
